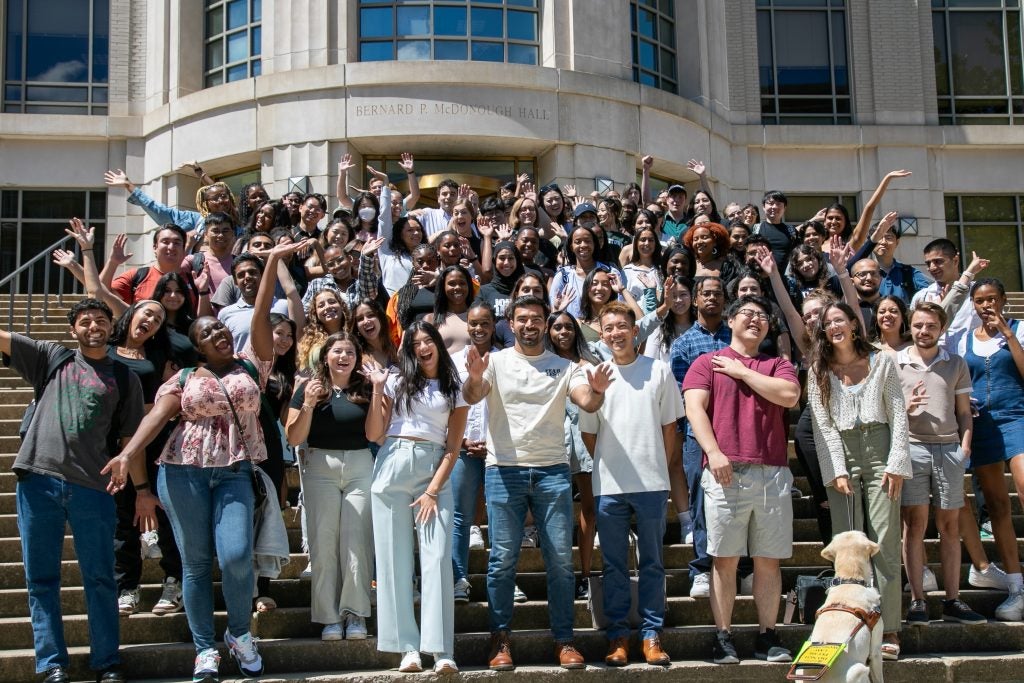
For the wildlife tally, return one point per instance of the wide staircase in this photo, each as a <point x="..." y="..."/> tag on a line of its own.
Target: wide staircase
<point x="158" y="648"/>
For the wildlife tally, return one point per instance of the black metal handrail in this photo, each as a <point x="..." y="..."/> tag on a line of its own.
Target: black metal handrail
<point x="12" y="281"/>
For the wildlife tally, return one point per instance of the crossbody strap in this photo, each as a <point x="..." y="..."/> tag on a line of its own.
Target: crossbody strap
<point x="234" y="414"/>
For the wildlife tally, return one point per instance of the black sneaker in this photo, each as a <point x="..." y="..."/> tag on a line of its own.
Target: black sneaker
<point x="917" y="615"/>
<point x="583" y="588"/>
<point x="769" y="648"/>
<point x="723" y="651"/>
<point x="958" y="611"/>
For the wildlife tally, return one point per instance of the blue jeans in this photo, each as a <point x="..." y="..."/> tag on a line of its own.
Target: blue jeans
<point x="692" y="459"/>
<point x="547" y="492"/>
<point x="467" y="476"/>
<point x="45" y="504"/>
<point x="613" y="517"/>
<point x="211" y="510"/>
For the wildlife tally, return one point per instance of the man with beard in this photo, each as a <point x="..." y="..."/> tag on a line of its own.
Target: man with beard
<point x="80" y="416"/>
<point x="527" y="468"/>
<point x="937" y="388"/>
<point x="246" y="272"/>
<point x="867" y="277"/>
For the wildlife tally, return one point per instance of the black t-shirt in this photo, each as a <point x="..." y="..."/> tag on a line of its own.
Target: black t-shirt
<point x="337" y="423"/>
<point x="778" y="235"/>
<point x="144" y="369"/>
<point x="183" y="354"/>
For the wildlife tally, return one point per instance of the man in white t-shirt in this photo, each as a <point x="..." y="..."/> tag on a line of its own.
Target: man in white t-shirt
<point x="633" y="439"/>
<point x="527" y="468"/>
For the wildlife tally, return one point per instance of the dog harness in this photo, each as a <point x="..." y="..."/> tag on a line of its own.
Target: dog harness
<point x="815" y="659"/>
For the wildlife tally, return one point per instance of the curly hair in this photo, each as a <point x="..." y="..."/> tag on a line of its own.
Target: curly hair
<point x="717" y="230"/>
<point x="357" y="390"/>
<point x="411" y="380"/>
<point x="820" y="280"/>
<point x="405" y="295"/>
<point x="315" y="333"/>
<point x="901" y="306"/>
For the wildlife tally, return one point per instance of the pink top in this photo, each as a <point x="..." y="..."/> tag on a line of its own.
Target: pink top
<point x="749" y="428"/>
<point x="206" y="435"/>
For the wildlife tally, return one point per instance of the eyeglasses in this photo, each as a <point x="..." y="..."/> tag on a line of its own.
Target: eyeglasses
<point x="750" y="313"/>
<point x="222" y="197"/>
<point x="866" y="274"/>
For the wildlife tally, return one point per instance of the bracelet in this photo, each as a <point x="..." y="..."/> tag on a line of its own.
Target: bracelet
<point x="205" y="292"/>
<point x="142" y="487"/>
<point x="430" y="495"/>
<point x="306" y="408"/>
<point x="89" y="249"/>
<point x="969" y="274"/>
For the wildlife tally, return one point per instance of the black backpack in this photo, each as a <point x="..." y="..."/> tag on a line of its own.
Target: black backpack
<point x="64" y="357"/>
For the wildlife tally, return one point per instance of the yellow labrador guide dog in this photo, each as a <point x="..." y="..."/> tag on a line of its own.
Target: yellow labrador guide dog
<point x="846" y="643"/>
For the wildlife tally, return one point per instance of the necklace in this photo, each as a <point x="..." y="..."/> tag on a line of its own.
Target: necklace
<point x="126" y="352"/>
<point x="338" y="391"/>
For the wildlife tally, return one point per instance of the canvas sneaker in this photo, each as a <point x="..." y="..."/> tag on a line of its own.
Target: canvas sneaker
<point x="991" y="577"/>
<point x="128" y="602"/>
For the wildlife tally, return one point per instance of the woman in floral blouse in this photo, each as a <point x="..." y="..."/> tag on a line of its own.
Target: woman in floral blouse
<point x="205" y="479"/>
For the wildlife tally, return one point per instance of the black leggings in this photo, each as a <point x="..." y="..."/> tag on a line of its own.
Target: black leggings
<point x="807" y="454"/>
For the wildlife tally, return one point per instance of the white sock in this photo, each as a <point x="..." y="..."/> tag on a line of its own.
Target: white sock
<point x="1014" y="582"/>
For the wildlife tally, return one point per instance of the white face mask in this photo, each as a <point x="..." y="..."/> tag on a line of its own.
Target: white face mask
<point x="366" y="213"/>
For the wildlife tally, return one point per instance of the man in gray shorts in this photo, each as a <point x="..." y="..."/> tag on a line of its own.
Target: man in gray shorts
<point x="746" y="478"/>
<point x="937" y="388"/>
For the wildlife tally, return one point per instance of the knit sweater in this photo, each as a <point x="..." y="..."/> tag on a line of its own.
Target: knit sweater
<point x="879" y="399"/>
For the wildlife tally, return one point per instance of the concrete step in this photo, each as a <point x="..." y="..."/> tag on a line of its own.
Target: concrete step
<point x="532" y="651"/>
<point x="16" y="397"/>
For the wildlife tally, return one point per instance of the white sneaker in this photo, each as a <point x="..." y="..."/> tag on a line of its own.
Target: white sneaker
<point x="746" y="584"/>
<point x="518" y="595"/>
<point x="597" y="540"/>
<point x="991" y="577"/>
<point x="1012" y="608"/>
<point x="689" y="539"/>
<point x="207" y="666"/>
<point x="476" y="538"/>
<point x="355" y="627"/>
<point x="411" y="663"/>
<point x="170" y="599"/>
<point x="928" y="581"/>
<point x="332" y="632"/>
<point x="530" y="537"/>
<point x="416" y="591"/>
<point x="701" y="586"/>
<point x="444" y="666"/>
<point x="150" y="548"/>
<point x="128" y="602"/>
<point x="462" y="587"/>
<point x="243" y="650"/>
<point x="307" y="572"/>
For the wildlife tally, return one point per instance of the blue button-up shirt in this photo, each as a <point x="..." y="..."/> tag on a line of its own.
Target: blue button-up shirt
<point x="693" y="343"/>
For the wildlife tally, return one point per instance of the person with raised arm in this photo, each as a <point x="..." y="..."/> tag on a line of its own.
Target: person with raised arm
<point x="206" y="473"/>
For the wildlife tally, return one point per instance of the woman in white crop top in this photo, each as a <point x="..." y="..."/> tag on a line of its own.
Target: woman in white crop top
<point x="421" y="416"/>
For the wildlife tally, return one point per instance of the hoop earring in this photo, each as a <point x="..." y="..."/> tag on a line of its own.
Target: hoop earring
<point x="714" y="251"/>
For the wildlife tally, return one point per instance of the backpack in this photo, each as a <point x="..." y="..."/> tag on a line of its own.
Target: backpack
<point x="908" y="281"/>
<point x="63" y="358"/>
<point x="198" y="259"/>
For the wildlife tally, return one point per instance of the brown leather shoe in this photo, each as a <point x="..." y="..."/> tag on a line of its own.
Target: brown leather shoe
<point x="618" y="652"/>
<point x="653" y="652"/>
<point x="501" y="652"/>
<point x="568" y="656"/>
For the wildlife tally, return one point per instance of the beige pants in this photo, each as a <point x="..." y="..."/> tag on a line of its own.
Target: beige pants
<point x="336" y="492"/>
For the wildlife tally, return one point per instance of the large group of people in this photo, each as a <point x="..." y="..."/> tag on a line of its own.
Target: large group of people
<point x="490" y="360"/>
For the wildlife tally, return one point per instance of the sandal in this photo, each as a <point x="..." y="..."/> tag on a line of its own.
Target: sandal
<point x="265" y="604"/>
<point x="890" y="647"/>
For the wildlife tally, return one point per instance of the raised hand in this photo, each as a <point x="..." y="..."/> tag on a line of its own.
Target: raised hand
<point x="118" y="178"/>
<point x="485" y="228"/>
<point x="616" y="282"/>
<point x="86" y="237"/>
<point x="314" y="392"/>
<point x="977" y="263"/>
<point x="375" y="374"/>
<point x="902" y="173"/>
<point x="564" y="298"/>
<point x="406" y="163"/>
<point x="345" y="164"/>
<point x="523" y="178"/>
<point x="839" y="253"/>
<point x="503" y="231"/>
<point x="64" y="258"/>
<point x="600" y="378"/>
<point x="372" y="246"/>
<point x="918" y="398"/>
<point x="528" y="190"/>
<point x="888" y="220"/>
<point x="119" y="253"/>
<point x="820" y="216"/>
<point x="765" y="259"/>
<point x="464" y="192"/>
<point x="696" y="166"/>
<point x="202" y="280"/>
<point x="646" y="162"/>
<point x="569" y="191"/>
<point x="475" y="363"/>
<point x="379" y="175"/>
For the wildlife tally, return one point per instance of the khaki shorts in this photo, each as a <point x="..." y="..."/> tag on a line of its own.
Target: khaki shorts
<point x="753" y="516"/>
<point x="938" y="479"/>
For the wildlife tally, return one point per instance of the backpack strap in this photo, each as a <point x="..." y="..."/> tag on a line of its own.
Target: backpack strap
<point x="198" y="259"/>
<point x="139" y="277"/>
<point x="63" y="357"/>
